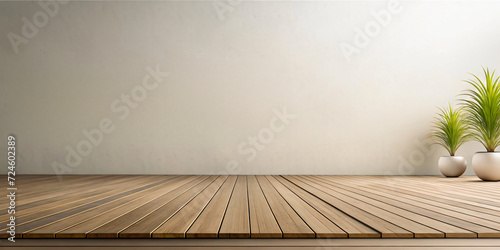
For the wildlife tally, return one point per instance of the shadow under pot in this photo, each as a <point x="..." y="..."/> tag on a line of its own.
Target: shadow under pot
<point x="486" y="165"/>
<point x="452" y="166"/>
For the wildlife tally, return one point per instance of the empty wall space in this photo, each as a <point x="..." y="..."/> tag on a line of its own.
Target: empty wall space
<point x="203" y="87"/>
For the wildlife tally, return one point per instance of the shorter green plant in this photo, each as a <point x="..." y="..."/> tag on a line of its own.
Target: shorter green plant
<point x="450" y="129"/>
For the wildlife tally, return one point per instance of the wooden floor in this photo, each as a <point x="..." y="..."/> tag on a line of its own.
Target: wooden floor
<point x="255" y="207"/>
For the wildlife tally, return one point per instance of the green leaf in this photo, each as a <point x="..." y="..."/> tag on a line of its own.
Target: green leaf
<point x="482" y="110"/>
<point x="450" y="129"/>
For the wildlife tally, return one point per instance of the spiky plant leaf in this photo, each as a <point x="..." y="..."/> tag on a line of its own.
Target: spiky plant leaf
<point x="450" y="129"/>
<point x="482" y="109"/>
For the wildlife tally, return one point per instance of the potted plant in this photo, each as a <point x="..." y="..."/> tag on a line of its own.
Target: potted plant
<point x="482" y="108"/>
<point x="451" y="131"/>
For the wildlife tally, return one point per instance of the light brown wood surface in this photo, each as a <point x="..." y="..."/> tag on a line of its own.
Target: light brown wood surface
<point x="236" y="223"/>
<point x="114" y="206"/>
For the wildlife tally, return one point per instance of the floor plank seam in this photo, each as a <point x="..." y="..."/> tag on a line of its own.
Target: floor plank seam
<point x="225" y="210"/>
<point x="283" y="207"/>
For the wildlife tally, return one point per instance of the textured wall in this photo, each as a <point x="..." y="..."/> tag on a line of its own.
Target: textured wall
<point x="285" y="87"/>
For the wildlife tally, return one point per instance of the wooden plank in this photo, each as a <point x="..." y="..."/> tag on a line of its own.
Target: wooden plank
<point x="482" y="191"/>
<point x="462" y="197"/>
<point x="471" y="217"/>
<point x="81" y="229"/>
<point x="445" y="215"/>
<point x="178" y="224"/>
<point x="383" y="226"/>
<point x="112" y="228"/>
<point x="290" y="223"/>
<point x="47" y="201"/>
<point x="236" y="223"/>
<point x="35" y="210"/>
<point x="44" y="193"/>
<point x="149" y="223"/>
<point x="262" y="221"/>
<point x="200" y="206"/>
<point x="428" y="193"/>
<point x="44" y="184"/>
<point x="32" y="221"/>
<point x="423" y="227"/>
<point x="459" y="205"/>
<point x="53" y="184"/>
<point x="322" y="227"/>
<point x="466" y="184"/>
<point x="480" y="196"/>
<point x="97" y="216"/>
<point x="208" y="223"/>
<point x="353" y="227"/>
<point x="34" y="192"/>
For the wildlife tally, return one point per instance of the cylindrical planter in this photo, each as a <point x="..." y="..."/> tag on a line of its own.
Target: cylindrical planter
<point x="486" y="165"/>
<point x="452" y="166"/>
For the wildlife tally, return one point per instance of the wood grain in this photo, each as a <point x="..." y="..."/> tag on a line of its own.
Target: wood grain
<point x="262" y="221"/>
<point x="208" y="223"/>
<point x="178" y="224"/>
<point x="236" y="222"/>
<point x="306" y="206"/>
<point x="290" y="222"/>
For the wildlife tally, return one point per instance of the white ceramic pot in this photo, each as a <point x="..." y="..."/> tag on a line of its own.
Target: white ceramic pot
<point x="486" y="165"/>
<point x="452" y="166"/>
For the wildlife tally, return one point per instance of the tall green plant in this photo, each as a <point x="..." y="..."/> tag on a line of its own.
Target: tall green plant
<point x="450" y="129"/>
<point x="482" y="109"/>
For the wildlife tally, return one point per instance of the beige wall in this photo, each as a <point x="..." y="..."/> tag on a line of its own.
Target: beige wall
<point x="232" y="70"/>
